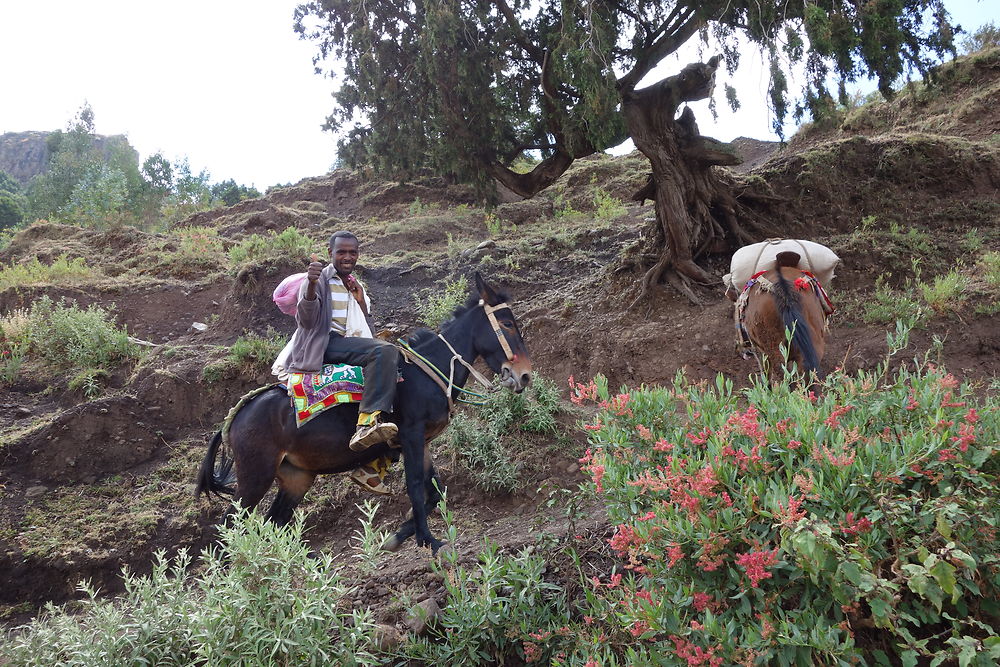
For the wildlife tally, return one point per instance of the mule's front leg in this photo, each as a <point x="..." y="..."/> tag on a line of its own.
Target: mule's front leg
<point x="412" y="440"/>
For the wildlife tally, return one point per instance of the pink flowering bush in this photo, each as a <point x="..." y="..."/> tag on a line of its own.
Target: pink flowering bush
<point x="776" y="527"/>
<point x="762" y="527"/>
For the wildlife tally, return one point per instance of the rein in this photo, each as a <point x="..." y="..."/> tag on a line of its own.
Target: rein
<point x="436" y="374"/>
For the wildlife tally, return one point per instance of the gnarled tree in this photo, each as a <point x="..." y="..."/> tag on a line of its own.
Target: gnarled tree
<point x="464" y="87"/>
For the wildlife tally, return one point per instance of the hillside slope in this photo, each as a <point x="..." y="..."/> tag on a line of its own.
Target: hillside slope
<point x="905" y="192"/>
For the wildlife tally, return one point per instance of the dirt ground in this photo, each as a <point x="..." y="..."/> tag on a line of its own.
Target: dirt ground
<point x="126" y="461"/>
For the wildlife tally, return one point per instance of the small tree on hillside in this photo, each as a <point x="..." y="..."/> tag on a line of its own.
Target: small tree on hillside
<point x="465" y="87"/>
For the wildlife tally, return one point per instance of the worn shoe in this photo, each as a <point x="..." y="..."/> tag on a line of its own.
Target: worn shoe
<point x="369" y="478"/>
<point x="372" y="434"/>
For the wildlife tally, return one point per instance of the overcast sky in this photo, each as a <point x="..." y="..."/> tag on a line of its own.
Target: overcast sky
<point x="228" y="84"/>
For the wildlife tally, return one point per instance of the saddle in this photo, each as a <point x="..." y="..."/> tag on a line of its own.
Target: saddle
<point x="312" y="393"/>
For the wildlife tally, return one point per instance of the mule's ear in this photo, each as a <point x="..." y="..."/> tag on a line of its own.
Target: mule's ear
<point x="486" y="292"/>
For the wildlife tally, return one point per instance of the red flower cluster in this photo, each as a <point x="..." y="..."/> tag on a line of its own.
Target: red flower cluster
<point x="694" y="655"/>
<point x="625" y="540"/>
<point x="833" y="421"/>
<point x="854" y="526"/>
<point x="578" y="392"/>
<point x="754" y="563"/>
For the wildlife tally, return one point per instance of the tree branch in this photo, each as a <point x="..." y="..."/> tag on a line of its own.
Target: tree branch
<point x="537" y="54"/>
<point x="657" y="51"/>
<point x="543" y="175"/>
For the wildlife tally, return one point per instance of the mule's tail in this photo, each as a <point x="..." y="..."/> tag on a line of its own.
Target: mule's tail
<point x="790" y="310"/>
<point x="211" y="479"/>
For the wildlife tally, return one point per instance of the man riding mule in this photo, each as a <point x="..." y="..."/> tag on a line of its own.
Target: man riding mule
<point x="266" y="439"/>
<point x="330" y="315"/>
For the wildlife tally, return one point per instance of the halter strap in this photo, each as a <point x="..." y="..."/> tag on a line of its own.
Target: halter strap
<point x="496" y="326"/>
<point x="436" y="374"/>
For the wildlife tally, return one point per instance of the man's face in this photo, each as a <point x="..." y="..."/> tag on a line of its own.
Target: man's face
<point x="344" y="255"/>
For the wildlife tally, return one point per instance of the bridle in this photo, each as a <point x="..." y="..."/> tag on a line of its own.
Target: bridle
<point x="504" y="345"/>
<point x="436" y="374"/>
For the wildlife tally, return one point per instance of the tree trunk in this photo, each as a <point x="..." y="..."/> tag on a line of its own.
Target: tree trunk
<point x="695" y="211"/>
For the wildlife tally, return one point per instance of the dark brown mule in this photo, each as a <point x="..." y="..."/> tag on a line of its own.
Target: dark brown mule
<point x="785" y="300"/>
<point x="266" y="444"/>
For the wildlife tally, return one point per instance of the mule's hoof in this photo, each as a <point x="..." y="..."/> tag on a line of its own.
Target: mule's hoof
<point x="392" y="544"/>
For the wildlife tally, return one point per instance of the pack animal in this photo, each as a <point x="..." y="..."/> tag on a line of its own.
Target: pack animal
<point x="266" y="444"/>
<point x="781" y="303"/>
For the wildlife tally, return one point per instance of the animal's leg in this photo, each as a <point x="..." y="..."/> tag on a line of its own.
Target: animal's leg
<point x="412" y="440"/>
<point x="409" y="527"/>
<point x="251" y="485"/>
<point x="293" y="482"/>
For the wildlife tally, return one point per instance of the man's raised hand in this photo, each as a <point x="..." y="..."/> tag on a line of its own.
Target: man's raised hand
<point x="315" y="268"/>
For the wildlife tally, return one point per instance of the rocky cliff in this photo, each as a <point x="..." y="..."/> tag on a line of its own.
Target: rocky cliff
<point x="24" y="155"/>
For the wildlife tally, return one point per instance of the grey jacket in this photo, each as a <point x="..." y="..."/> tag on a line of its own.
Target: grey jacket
<point x="313" y="332"/>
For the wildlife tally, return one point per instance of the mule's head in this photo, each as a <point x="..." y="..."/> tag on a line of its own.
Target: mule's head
<point x="497" y="338"/>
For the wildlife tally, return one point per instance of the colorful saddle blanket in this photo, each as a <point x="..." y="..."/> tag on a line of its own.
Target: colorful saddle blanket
<point x="312" y="393"/>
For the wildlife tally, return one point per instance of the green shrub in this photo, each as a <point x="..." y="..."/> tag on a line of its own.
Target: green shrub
<point x="193" y="250"/>
<point x="761" y="527"/>
<point x="989" y="264"/>
<point x="945" y="292"/>
<point x="260" y="599"/>
<point x="986" y="36"/>
<point x="69" y="338"/>
<point x="494" y="225"/>
<point x="489" y="605"/>
<point x="11" y="211"/>
<point x="781" y="528"/>
<point x="606" y="207"/>
<point x="435" y="306"/>
<point x="83" y="345"/>
<point x="886" y="305"/>
<point x="290" y="244"/>
<point x="251" y="355"/>
<point x="489" y="442"/>
<point x="62" y="272"/>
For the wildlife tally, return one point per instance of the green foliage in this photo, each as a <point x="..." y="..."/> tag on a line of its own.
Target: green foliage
<point x="290" y="244"/>
<point x="774" y="525"/>
<point x="62" y="339"/>
<point x="972" y="240"/>
<point x="417" y="207"/>
<point x="367" y="539"/>
<point x="490" y="442"/>
<point x="101" y="193"/>
<point x="435" y="306"/>
<point x="986" y="36"/>
<point x="563" y="210"/>
<point x="250" y="356"/>
<point x="886" y="305"/>
<point x="606" y="207"/>
<point x="945" y="292"/>
<point x="229" y="192"/>
<point x="61" y="272"/>
<point x="69" y="338"/>
<point x="549" y="78"/>
<point x="11" y="212"/>
<point x="500" y="598"/>
<point x="258" y="599"/>
<point x="96" y="181"/>
<point x="8" y="186"/>
<point x="990" y="265"/>
<point x="494" y="225"/>
<point x="765" y="527"/>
